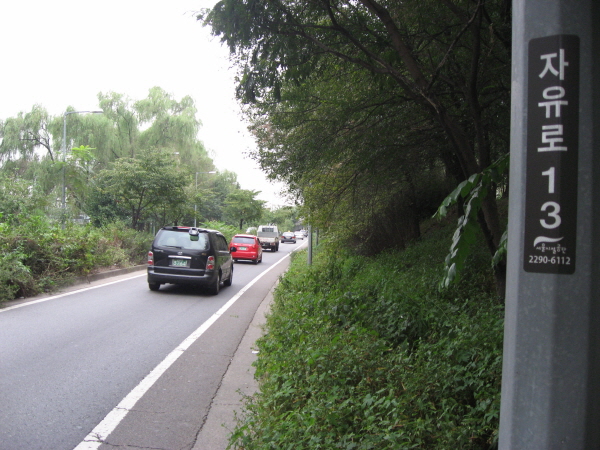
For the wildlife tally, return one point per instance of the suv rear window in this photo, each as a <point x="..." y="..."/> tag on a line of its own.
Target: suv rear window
<point x="181" y="239"/>
<point x="243" y="240"/>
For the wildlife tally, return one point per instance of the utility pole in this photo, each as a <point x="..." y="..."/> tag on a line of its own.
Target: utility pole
<point x="551" y="369"/>
<point x="310" y="245"/>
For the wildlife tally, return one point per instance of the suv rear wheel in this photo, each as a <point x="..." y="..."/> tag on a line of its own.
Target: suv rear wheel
<point x="229" y="280"/>
<point x="154" y="286"/>
<point x="215" y="286"/>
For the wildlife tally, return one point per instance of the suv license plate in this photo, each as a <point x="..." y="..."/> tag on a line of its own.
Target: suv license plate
<point x="179" y="262"/>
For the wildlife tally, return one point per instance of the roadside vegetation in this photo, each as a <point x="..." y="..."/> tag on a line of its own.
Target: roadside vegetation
<point x="367" y="353"/>
<point x="372" y="112"/>
<point x="39" y="256"/>
<point x="377" y="115"/>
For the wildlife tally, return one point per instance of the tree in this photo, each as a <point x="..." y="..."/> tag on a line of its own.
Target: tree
<point x="211" y="202"/>
<point x="125" y="125"/>
<point x="241" y="206"/>
<point x="285" y="217"/>
<point x="32" y="142"/>
<point x="170" y="124"/>
<point x="21" y="136"/>
<point x="359" y="158"/>
<point x="447" y="60"/>
<point x="146" y="185"/>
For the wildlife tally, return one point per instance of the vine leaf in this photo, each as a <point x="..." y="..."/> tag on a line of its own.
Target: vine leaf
<point x="472" y="190"/>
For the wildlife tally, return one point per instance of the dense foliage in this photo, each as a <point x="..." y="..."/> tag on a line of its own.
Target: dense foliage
<point x="372" y="111"/>
<point x="135" y="161"/>
<point x="40" y="254"/>
<point x="228" y="230"/>
<point x="366" y="353"/>
<point x="37" y="255"/>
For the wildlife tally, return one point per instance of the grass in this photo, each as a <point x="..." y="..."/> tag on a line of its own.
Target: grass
<point x="367" y="353"/>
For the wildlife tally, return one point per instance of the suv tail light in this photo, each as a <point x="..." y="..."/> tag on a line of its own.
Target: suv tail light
<point x="210" y="263"/>
<point x="151" y="258"/>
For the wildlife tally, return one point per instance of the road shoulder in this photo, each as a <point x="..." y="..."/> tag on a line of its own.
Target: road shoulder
<point x="238" y="382"/>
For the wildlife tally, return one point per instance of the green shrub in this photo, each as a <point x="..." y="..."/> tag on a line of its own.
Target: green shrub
<point x="367" y="353"/>
<point x="15" y="277"/>
<point x="39" y="256"/>
<point x="123" y="245"/>
<point x="228" y="230"/>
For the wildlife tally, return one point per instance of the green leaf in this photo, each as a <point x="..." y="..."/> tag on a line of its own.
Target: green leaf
<point x="473" y="191"/>
<point x="500" y="254"/>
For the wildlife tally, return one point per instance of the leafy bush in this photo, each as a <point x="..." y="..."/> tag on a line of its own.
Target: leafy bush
<point x="367" y="353"/>
<point x="228" y="230"/>
<point x="39" y="256"/>
<point x="18" y="197"/>
<point x="14" y="275"/>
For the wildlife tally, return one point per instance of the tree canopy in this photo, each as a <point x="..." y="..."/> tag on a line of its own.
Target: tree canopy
<point x="145" y="186"/>
<point x="138" y="162"/>
<point x="242" y="206"/>
<point x="371" y="110"/>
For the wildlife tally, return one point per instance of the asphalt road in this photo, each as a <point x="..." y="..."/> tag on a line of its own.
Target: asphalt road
<point x="116" y="364"/>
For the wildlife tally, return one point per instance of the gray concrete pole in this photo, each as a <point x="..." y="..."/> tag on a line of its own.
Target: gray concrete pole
<point x="310" y="245"/>
<point x="551" y="369"/>
<point x="195" y="205"/>
<point x="64" y="182"/>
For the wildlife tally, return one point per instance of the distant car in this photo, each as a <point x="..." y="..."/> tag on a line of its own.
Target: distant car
<point x="299" y="235"/>
<point x="246" y="247"/>
<point x="288" y="236"/>
<point x="191" y="256"/>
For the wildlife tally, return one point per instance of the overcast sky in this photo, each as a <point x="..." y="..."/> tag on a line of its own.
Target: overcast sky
<point x="62" y="53"/>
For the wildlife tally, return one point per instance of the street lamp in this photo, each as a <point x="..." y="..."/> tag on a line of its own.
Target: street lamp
<point x="195" y="206"/>
<point x="64" y="150"/>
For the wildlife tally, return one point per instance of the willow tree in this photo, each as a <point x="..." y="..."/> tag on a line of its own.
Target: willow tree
<point x="124" y="130"/>
<point x="169" y="123"/>
<point x="33" y="142"/>
<point x="23" y="135"/>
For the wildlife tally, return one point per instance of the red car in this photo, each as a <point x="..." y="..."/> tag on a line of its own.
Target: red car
<point x="247" y="247"/>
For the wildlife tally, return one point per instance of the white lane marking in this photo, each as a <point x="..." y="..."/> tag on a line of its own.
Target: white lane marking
<point x="99" y="434"/>
<point x="54" y="297"/>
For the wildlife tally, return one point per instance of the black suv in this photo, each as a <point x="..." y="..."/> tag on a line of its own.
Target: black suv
<point x="188" y="255"/>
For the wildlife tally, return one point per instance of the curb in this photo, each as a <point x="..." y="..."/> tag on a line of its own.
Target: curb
<point x="75" y="284"/>
<point x="108" y="274"/>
